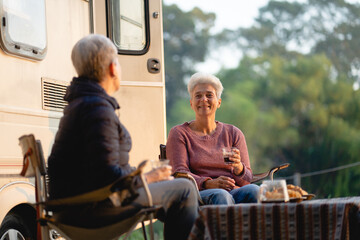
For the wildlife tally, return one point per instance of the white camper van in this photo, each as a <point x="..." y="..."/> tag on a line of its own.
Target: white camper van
<point x="36" y="40"/>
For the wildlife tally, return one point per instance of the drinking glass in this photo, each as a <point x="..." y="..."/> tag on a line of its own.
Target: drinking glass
<point x="273" y="191"/>
<point x="159" y="163"/>
<point x="227" y="153"/>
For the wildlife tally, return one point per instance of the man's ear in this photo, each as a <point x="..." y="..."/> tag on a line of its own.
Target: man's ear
<point x="219" y="102"/>
<point x="112" y="69"/>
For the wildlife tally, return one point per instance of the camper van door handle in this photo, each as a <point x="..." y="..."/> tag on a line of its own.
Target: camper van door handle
<point x="153" y="65"/>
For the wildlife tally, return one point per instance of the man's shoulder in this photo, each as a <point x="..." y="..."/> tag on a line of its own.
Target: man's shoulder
<point x="89" y="106"/>
<point x="92" y="102"/>
<point x="91" y="99"/>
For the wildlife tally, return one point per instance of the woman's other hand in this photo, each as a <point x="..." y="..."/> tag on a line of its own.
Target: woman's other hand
<point x="237" y="165"/>
<point x="159" y="174"/>
<point x="220" y="182"/>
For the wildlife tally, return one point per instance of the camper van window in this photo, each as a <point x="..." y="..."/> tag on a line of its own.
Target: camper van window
<point x="23" y="28"/>
<point x="128" y="25"/>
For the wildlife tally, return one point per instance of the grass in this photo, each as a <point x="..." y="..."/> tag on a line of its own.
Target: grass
<point x="138" y="234"/>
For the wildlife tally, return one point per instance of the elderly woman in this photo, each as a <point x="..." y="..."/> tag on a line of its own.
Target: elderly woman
<point x="91" y="148"/>
<point x="195" y="147"/>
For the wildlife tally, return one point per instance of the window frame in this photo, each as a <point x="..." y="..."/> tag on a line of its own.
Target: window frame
<point x="147" y="30"/>
<point x="20" y="49"/>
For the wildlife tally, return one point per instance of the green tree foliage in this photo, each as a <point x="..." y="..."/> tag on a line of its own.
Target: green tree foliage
<point x="186" y="37"/>
<point x="330" y="27"/>
<point x="294" y="111"/>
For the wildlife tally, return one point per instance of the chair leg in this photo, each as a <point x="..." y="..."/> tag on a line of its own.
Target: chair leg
<point x="133" y="227"/>
<point x="144" y="230"/>
<point x="150" y="226"/>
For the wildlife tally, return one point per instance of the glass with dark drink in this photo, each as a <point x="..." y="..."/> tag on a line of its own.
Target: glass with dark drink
<point x="227" y="153"/>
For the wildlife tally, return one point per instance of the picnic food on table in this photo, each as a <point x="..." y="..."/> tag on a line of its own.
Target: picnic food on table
<point x="275" y="194"/>
<point x="295" y="191"/>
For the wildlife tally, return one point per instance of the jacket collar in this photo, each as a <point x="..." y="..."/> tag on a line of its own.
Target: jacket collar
<point x="81" y="86"/>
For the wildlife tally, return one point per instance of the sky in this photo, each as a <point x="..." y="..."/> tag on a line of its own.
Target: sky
<point x="232" y="15"/>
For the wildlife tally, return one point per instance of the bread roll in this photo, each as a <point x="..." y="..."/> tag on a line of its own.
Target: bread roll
<point x="298" y="189"/>
<point x="294" y="194"/>
<point x="274" y="195"/>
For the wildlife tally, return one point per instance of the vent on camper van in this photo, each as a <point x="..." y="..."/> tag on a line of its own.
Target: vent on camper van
<point x="53" y="92"/>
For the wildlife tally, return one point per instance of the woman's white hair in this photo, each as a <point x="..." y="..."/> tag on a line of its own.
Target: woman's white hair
<point x="207" y="78"/>
<point x="92" y="55"/>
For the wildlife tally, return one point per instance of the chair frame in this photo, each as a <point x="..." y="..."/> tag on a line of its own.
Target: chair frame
<point x="34" y="166"/>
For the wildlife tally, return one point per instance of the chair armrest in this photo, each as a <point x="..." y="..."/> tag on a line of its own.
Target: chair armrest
<point x="261" y="176"/>
<point x="124" y="182"/>
<point x="191" y="178"/>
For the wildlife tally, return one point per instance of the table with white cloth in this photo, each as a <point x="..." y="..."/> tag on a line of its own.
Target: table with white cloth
<point x="337" y="218"/>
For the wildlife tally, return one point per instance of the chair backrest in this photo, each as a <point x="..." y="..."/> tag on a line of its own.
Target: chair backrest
<point x="41" y="159"/>
<point x="33" y="156"/>
<point x="162" y="155"/>
<point x="34" y="164"/>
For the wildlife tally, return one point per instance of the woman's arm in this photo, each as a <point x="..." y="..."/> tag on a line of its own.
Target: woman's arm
<point x="240" y="143"/>
<point x="176" y="152"/>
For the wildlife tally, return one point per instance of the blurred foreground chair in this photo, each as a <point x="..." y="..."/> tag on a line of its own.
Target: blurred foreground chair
<point x="49" y="212"/>
<point x="255" y="178"/>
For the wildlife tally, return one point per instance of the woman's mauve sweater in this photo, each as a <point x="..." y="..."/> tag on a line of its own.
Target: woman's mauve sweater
<point x="201" y="156"/>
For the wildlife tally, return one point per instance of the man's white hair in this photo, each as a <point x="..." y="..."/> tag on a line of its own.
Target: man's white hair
<point x="207" y="78"/>
<point x="92" y="55"/>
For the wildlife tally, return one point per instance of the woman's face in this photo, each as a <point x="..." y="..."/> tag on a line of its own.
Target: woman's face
<point x="204" y="101"/>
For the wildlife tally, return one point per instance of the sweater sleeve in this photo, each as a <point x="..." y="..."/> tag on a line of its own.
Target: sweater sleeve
<point x="240" y="143"/>
<point x="177" y="153"/>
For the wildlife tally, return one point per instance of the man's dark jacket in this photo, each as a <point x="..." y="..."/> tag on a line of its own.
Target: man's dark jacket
<point x="91" y="147"/>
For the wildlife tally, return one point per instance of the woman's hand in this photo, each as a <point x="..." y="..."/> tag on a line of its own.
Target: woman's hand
<point x="238" y="167"/>
<point x="162" y="173"/>
<point x="220" y="182"/>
